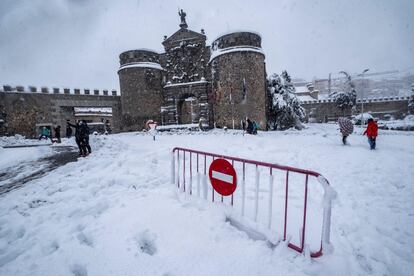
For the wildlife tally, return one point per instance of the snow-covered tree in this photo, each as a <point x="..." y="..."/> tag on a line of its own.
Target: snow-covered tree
<point x="411" y="101"/>
<point x="346" y="96"/>
<point x="285" y="110"/>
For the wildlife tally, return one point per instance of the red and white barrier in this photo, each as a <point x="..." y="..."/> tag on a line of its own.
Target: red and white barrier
<point x="292" y="210"/>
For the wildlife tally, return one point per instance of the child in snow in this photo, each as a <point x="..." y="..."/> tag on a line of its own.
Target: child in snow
<point x="45" y="133"/>
<point x="372" y="133"/>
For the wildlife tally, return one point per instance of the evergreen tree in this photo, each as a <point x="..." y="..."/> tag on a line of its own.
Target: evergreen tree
<point x="346" y="97"/>
<point x="285" y="110"/>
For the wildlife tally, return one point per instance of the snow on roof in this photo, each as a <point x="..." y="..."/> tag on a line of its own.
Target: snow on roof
<point x="234" y="49"/>
<point x="301" y="89"/>
<point x="152" y="65"/>
<point x="93" y="109"/>
<point x="236" y="31"/>
<point x="185" y="83"/>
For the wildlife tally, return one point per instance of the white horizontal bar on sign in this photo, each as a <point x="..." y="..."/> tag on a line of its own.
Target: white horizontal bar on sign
<point x="223" y="177"/>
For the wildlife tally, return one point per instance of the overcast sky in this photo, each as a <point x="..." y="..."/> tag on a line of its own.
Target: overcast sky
<point x="76" y="43"/>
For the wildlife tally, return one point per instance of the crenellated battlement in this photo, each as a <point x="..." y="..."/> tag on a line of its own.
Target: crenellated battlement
<point x="57" y="90"/>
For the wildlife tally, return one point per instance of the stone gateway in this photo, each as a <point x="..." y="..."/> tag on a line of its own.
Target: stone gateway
<point x="220" y="84"/>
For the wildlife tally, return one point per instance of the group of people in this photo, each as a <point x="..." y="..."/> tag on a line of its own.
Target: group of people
<point x="346" y="127"/>
<point x="81" y="136"/>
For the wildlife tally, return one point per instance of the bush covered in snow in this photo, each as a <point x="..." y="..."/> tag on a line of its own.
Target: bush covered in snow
<point x="346" y="96"/>
<point x="285" y="110"/>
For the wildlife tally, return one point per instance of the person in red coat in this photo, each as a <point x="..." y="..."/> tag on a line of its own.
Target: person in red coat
<point x="372" y="133"/>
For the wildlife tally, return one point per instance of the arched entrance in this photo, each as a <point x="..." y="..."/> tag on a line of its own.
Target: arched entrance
<point x="188" y="109"/>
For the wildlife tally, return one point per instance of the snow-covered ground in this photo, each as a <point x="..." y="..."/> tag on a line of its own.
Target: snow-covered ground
<point x="116" y="213"/>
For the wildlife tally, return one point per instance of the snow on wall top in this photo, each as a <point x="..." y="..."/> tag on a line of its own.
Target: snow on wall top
<point x="151" y="65"/>
<point x="366" y="100"/>
<point x="56" y="90"/>
<point x="234" y="32"/>
<point x="142" y="49"/>
<point x="235" y="49"/>
<point x="203" y="80"/>
<point x="93" y="109"/>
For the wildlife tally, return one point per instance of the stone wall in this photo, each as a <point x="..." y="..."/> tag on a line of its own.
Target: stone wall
<point x="326" y="110"/>
<point x="24" y="112"/>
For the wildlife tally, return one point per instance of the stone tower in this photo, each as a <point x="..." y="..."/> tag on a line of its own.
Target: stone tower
<point x="140" y="78"/>
<point x="238" y="79"/>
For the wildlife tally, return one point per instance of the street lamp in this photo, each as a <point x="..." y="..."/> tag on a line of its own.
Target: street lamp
<point x="362" y="97"/>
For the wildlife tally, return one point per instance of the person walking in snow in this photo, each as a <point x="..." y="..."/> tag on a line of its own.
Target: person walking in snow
<point x="372" y="133"/>
<point x="68" y="131"/>
<point x="77" y="137"/>
<point x="346" y="127"/>
<point x="84" y="136"/>
<point x="249" y="128"/>
<point x="57" y="133"/>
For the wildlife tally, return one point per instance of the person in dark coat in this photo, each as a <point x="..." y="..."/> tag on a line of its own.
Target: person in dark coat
<point x="78" y="137"/>
<point x="57" y="133"/>
<point x="84" y="133"/>
<point x="249" y="128"/>
<point x="68" y="131"/>
<point x="371" y="132"/>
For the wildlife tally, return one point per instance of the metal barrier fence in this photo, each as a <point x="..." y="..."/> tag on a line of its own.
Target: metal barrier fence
<point x="189" y="165"/>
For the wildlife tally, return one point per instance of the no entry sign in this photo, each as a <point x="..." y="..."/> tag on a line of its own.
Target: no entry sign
<point x="223" y="177"/>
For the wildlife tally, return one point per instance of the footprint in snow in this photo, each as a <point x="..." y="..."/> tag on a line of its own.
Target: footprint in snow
<point x="146" y="242"/>
<point x="79" y="270"/>
<point x="50" y="248"/>
<point x="85" y="239"/>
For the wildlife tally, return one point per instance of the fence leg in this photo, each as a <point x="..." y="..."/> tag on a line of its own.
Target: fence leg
<point x="286" y="204"/>
<point x="270" y="199"/>
<point x="256" y="197"/>
<point x="198" y="179"/>
<point x="178" y="169"/>
<point x="173" y="168"/>
<point x="243" y="190"/>
<point x="191" y="174"/>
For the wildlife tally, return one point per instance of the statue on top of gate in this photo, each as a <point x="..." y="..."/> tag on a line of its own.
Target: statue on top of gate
<point x="182" y="15"/>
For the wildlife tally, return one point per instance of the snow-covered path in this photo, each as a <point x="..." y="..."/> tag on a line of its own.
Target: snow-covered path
<point x="115" y="212"/>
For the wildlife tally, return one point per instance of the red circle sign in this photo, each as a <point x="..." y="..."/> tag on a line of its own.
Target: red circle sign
<point x="223" y="177"/>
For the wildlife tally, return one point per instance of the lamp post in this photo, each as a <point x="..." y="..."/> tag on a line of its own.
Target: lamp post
<point x="362" y="97"/>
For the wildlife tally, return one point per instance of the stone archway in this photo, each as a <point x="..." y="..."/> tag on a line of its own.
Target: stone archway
<point x="188" y="109"/>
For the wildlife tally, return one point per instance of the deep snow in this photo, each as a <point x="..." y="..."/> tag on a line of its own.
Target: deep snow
<point x="116" y="213"/>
